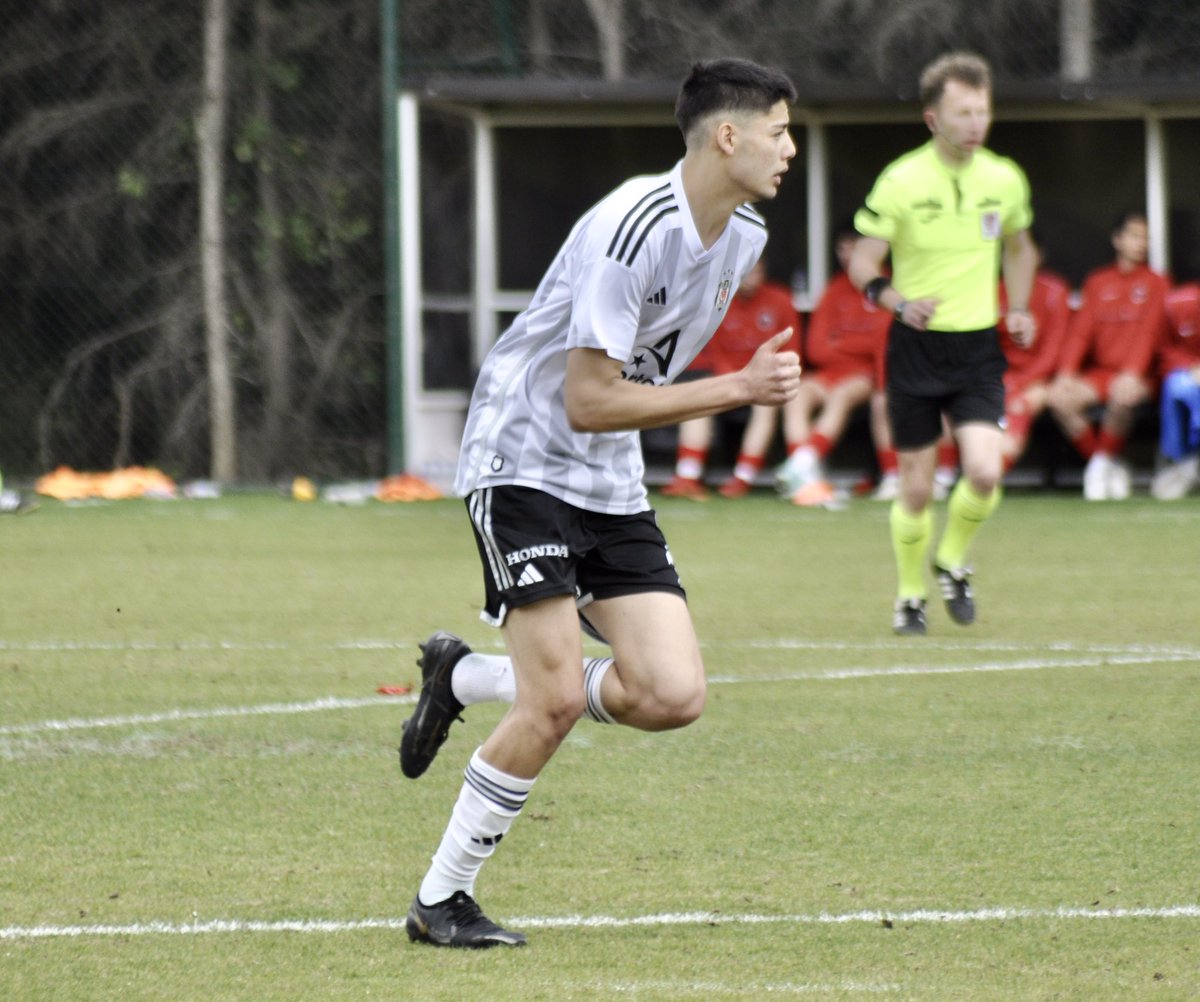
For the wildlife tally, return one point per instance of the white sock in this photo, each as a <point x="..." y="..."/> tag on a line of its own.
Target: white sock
<point x="483" y="678"/>
<point x="488" y="804"/>
<point x="489" y="678"/>
<point x="593" y="675"/>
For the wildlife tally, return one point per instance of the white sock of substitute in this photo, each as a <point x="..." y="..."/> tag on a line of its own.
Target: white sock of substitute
<point x="483" y="678"/>
<point x="488" y="804"/>
<point x="594" y="670"/>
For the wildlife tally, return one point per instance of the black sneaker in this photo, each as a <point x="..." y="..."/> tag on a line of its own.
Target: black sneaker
<point x="426" y="730"/>
<point x="908" y="617"/>
<point x="457" y="921"/>
<point x="956" y="590"/>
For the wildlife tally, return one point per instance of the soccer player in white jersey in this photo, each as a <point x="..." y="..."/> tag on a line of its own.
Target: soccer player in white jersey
<point x="551" y="469"/>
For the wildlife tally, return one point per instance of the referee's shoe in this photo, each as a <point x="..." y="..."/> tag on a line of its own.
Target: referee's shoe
<point x="426" y="730"/>
<point x="956" y="590"/>
<point x="908" y="617"/>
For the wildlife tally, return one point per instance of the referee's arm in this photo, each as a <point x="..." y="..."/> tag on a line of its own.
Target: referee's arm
<point x="866" y="265"/>
<point x="866" y="272"/>
<point x="1020" y="263"/>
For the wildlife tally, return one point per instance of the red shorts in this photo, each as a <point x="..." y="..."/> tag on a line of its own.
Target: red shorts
<point x="1099" y="380"/>
<point x="831" y="376"/>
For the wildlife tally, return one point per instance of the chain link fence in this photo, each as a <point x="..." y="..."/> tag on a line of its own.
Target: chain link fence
<point x="102" y="323"/>
<point x="876" y="43"/>
<point x="103" y="353"/>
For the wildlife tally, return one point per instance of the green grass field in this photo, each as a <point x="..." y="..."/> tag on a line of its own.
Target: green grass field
<point x="200" y="800"/>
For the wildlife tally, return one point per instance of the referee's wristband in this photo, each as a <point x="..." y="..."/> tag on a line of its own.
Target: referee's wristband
<point x="874" y="289"/>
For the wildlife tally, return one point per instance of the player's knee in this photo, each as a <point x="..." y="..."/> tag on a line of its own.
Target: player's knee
<point x="566" y="710"/>
<point x="676" y="705"/>
<point x="551" y="718"/>
<point x="1127" y="395"/>
<point x="984" y="482"/>
<point x="916" y="496"/>
<point x="1062" y="399"/>
<point x="984" y="474"/>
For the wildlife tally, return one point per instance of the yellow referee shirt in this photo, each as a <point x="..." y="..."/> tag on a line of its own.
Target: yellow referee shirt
<point x="946" y="227"/>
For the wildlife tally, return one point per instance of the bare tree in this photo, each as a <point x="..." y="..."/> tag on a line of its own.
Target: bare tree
<point x="609" y="18"/>
<point x="271" y="322"/>
<point x="210" y="136"/>
<point x="1076" y="37"/>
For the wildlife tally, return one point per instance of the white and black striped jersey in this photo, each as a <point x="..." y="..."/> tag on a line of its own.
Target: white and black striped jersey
<point x="633" y="280"/>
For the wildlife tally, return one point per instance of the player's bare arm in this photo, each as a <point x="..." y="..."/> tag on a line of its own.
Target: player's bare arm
<point x="598" y="399"/>
<point x="1020" y="265"/>
<point x="866" y="266"/>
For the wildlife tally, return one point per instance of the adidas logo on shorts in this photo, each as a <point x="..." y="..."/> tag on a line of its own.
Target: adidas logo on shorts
<point x="531" y="575"/>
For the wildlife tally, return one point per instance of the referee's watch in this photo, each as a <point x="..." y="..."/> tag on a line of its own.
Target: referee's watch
<point x="898" y="312"/>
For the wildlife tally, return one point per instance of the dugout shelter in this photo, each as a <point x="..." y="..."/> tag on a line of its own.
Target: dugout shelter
<point x="489" y="175"/>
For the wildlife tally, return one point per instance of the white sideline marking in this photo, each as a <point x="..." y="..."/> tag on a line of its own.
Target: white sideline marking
<point x="151" y="646"/>
<point x="1033" y="664"/>
<point x="170" y="716"/>
<point x="752" y="989"/>
<point x="922" y="916"/>
<point x="1060" y="647"/>
<point x="1132" y="655"/>
<point x="779" y="643"/>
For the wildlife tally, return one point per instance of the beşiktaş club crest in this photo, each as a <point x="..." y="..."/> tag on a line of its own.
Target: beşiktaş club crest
<point x="723" y="290"/>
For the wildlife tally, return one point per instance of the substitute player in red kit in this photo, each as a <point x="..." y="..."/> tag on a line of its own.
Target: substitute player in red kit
<point x="1031" y="366"/>
<point x="1179" y="409"/>
<point x="760" y="309"/>
<point x="1107" y="358"/>
<point x="551" y="471"/>
<point x="846" y="335"/>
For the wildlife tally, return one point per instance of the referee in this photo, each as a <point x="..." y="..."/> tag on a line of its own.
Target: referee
<point x="949" y="213"/>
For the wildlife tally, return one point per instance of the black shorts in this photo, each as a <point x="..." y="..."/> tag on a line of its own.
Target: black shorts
<point x="534" y="546"/>
<point x="960" y="373"/>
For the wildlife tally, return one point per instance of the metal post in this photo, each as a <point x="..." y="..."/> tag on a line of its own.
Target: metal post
<point x="818" y="210"/>
<point x="486" y="281"/>
<point x="390" y="58"/>
<point x="1158" y="217"/>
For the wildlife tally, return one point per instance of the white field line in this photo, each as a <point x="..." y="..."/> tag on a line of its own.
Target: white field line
<point x="171" y="716"/>
<point x="779" y="643"/>
<point x="916" y="646"/>
<point x="1135" y="655"/>
<point x="1031" y="664"/>
<point x="923" y="916"/>
<point x="749" y="989"/>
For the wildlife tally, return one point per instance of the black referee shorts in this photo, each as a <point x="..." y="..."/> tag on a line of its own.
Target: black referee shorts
<point x="960" y="373"/>
<point x="534" y="546"/>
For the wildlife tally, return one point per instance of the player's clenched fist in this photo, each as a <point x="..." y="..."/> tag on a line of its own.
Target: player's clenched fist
<point x="773" y="374"/>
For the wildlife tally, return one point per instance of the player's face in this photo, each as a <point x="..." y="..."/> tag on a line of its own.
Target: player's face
<point x="1132" y="241"/>
<point x="762" y="152"/>
<point x="960" y="120"/>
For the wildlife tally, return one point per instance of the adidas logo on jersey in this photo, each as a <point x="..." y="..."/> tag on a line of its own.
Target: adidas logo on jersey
<point x="530" y="576"/>
<point x="659" y="298"/>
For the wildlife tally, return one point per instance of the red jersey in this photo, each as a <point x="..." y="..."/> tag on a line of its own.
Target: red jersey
<point x="1181" y="347"/>
<point x="845" y="333"/>
<point x="1050" y="304"/>
<point x="1120" y="324"/>
<point x="749" y="321"/>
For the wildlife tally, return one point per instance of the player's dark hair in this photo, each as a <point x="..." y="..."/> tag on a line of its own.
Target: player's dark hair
<point x="729" y="85"/>
<point x="1125" y="217"/>
<point x="964" y="67"/>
